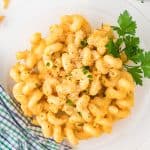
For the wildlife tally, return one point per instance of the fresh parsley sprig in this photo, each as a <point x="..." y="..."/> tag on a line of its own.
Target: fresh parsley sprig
<point x="126" y="24"/>
<point x="128" y="43"/>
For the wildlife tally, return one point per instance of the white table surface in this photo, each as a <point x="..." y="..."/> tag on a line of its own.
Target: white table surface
<point x="144" y="7"/>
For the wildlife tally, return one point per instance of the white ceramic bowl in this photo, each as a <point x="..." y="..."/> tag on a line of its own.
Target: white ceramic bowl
<point x="26" y="17"/>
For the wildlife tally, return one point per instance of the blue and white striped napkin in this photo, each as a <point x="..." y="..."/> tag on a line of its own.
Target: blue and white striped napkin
<point x="16" y="131"/>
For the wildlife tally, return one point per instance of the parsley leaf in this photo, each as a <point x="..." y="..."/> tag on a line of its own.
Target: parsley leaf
<point x="112" y="49"/>
<point x="131" y="46"/>
<point x="127" y="25"/>
<point x="128" y="43"/>
<point x="137" y="58"/>
<point x="83" y="43"/>
<point x="136" y="74"/>
<point x="119" y="43"/>
<point x="115" y="28"/>
<point x="143" y="58"/>
<point x="69" y="102"/>
<point x="132" y="41"/>
<point x="118" y="29"/>
<point x="145" y="64"/>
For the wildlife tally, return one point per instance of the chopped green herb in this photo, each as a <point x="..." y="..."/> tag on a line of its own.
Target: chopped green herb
<point x="85" y="69"/>
<point x="83" y="43"/>
<point x="80" y="113"/>
<point x="69" y="102"/>
<point x="126" y="30"/>
<point x="48" y="64"/>
<point x="37" y="85"/>
<point x="90" y="76"/>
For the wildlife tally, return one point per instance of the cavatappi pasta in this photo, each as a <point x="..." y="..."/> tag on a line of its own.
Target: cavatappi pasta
<point x="68" y="83"/>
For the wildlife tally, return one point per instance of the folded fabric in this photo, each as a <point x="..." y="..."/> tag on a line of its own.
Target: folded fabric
<point x="16" y="131"/>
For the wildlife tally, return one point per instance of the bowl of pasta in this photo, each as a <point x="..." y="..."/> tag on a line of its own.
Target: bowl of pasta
<point x="83" y="73"/>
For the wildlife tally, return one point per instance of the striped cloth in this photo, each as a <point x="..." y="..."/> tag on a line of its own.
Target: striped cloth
<point x="16" y="132"/>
